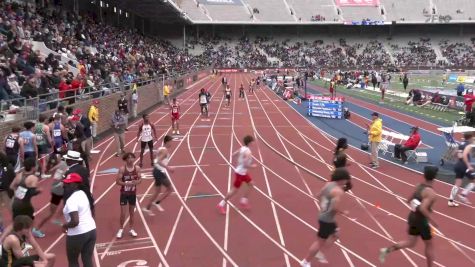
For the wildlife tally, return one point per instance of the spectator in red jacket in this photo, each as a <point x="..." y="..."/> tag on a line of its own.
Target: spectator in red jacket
<point x="410" y="144"/>
<point x="63" y="87"/>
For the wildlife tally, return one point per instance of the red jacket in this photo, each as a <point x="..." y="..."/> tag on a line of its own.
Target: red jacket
<point x="413" y="141"/>
<point x="63" y="87"/>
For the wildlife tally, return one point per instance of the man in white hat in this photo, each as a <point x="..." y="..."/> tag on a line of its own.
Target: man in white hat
<point x="75" y="165"/>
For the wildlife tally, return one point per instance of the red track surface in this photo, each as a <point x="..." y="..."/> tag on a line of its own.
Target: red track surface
<point x="294" y="160"/>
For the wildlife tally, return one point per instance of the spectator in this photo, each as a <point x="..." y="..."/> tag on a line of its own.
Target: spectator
<point x="80" y="227"/>
<point x="123" y="107"/>
<point x="118" y="126"/>
<point x="93" y="115"/>
<point x="410" y="144"/>
<point x="460" y="89"/>
<point x="405" y="81"/>
<point x="375" y="132"/>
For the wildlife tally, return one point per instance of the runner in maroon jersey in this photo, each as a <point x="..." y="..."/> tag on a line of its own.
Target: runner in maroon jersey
<point x="175" y="109"/>
<point x="128" y="179"/>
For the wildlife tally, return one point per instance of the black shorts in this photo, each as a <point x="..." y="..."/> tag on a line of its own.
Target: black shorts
<point x="326" y="229"/>
<point x="23" y="261"/>
<point x="22" y="208"/>
<point x="460" y="170"/>
<point x="30" y="154"/>
<point x="144" y="144"/>
<point x="419" y="227"/>
<point x="129" y="199"/>
<point x="55" y="199"/>
<point x="228" y="96"/>
<point x="161" y="178"/>
<point x="43" y="149"/>
<point x="203" y="106"/>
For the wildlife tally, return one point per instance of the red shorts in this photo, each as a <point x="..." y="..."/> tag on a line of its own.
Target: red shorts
<point x="175" y="116"/>
<point x="240" y="179"/>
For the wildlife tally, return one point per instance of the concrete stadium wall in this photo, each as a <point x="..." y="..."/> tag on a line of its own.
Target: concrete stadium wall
<point x="150" y="95"/>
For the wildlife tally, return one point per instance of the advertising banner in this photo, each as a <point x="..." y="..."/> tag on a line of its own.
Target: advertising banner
<point x="452" y="78"/>
<point x="461" y="79"/>
<point x="470" y="79"/>
<point x="343" y="3"/>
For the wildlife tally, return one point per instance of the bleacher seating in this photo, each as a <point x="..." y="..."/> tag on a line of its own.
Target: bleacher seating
<point x="405" y="10"/>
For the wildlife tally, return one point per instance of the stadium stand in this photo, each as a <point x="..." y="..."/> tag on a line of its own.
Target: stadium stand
<point x="456" y="9"/>
<point x="315" y="10"/>
<point x="405" y="10"/>
<point x="271" y="10"/>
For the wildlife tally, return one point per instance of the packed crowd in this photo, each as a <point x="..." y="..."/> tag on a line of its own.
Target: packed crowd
<point x="459" y="54"/>
<point x="90" y="56"/>
<point x="418" y="53"/>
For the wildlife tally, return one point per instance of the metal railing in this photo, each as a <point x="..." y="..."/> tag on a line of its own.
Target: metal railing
<point x="30" y="108"/>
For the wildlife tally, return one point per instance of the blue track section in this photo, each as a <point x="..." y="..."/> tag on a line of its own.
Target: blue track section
<point x="356" y="136"/>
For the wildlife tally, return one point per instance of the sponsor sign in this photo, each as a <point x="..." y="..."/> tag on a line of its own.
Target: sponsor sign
<point x="452" y="78"/>
<point x="461" y="79"/>
<point x="230" y="70"/>
<point x="343" y="3"/>
<point x="470" y="79"/>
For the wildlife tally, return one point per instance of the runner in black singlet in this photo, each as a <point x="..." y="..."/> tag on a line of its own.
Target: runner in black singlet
<point x="12" y="148"/>
<point x="25" y="188"/>
<point x="421" y="203"/>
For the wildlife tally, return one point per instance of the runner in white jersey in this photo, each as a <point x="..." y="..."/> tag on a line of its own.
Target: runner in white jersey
<point x="227" y="93"/>
<point x="241" y="171"/>
<point x="160" y="169"/>
<point x="145" y="135"/>
<point x="203" y="98"/>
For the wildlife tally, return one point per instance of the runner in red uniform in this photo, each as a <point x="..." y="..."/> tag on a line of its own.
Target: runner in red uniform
<point x="128" y="179"/>
<point x="175" y="109"/>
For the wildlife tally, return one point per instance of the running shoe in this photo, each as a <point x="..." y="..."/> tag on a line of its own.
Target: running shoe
<point x="382" y="254"/>
<point x="149" y="212"/>
<point x="321" y="258"/>
<point x="305" y="263"/>
<point x="453" y="203"/>
<point x="133" y="233"/>
<point x="177" y="132"/>
<point x="221" y="209"/>
<point x="120" y="233"/>
<point x="37" y="233"/>
<point x="45" y="176"/>
<point x="464" y="199"/>
<point x="159" y="207"/>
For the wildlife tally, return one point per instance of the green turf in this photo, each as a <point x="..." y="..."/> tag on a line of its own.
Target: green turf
<point x="397" y="103"/>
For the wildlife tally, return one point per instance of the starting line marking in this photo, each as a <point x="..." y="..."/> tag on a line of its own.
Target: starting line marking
<point x="118" y="252"/>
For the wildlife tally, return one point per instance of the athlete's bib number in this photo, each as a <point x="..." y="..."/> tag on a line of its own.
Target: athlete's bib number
<point x="56" y="133"/>
<point x="20" y="192"/>
<point x="129" y="187"/>
<point x="228" y="92"/>
<point x="39" y="137"/>
<point x="147" y="132"/>
<point x="325" y="204"/>
<point x="10" y="143"/>
<point x="175" y="110"/>
<point x="203" y="99"/>
<point x="414" y="204"/>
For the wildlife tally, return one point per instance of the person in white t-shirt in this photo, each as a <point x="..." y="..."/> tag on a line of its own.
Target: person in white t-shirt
<point x="145" y="135"/>
<point x="241" y="171"/>
<point x="80" y="227"/>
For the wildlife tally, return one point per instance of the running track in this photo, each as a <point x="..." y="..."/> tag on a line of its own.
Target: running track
<point x="293" y="159"/>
